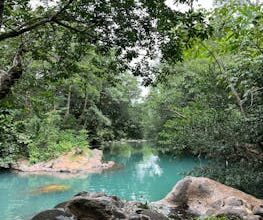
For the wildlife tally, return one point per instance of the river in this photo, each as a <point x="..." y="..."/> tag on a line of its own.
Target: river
<point x="145" y="175"/>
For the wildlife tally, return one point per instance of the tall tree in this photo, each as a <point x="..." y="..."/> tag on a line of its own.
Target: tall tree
<point x="127" y="26"/>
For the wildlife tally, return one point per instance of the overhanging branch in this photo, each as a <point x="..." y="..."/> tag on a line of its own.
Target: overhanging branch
<point x="66" y="25"/>
<point x="15" y="33"/>
<point x="77" y="30"/>
<point x="30" y="26"/>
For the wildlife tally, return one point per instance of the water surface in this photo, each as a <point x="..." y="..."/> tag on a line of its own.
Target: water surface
<point x="145" y="176"/>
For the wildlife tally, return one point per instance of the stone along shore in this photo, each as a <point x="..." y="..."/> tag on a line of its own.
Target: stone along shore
<point x="191" y="197"/>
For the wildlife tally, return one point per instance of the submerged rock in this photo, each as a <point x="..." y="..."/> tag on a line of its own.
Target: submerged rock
<point x="51" y="189"/>
<point x="199" y="196"/>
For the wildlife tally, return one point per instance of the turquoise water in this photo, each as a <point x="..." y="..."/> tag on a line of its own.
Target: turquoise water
<point x="145" y="176"/>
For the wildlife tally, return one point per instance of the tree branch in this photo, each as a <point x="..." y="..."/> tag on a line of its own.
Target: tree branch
<point x="73" y="28"/>
<point x="178" y="114"/>
<point x="2" y="5"/>
<point x="15" y="33"/>
<point x="222" y="70"/>
<point x="28" y="27"/>
<point x="66" y="26"/>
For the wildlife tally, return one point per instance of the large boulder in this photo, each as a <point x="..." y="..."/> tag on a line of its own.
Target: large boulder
<point x="75" y="162"/>
<point x="96" y="206"/>
<point x="99" y="206"/>
<point x="199" y="196"/>
<point x="191" y="197"/>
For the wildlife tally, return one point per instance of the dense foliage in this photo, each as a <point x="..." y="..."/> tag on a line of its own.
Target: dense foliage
<point x="66" y="73"/>
<point x="213" y="104"/>
<point x="53" y="116"/>
<point x="67" y="79"/>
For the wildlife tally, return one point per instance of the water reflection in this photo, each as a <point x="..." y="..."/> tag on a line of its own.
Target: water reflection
<point x="144" y="177"/>
<point x="149" y="167"/>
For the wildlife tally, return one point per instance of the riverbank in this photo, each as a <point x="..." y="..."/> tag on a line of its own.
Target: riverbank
<point x="74" y="162"/>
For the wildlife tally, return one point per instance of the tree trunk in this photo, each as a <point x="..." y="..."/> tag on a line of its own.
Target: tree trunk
<point x="84" y="106"/>
<point x="28" y="104"/>
<point x="238" y="99"/>
<point x="68" y="102"/>
<point x="82" y="116"/>
<point x="8" y="79"/>
<point x="54" y="105"/>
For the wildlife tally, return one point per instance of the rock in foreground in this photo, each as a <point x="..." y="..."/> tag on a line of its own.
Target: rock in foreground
<point x="191" y="197"/>
<point x="199" y="196"/>
<point x="98" y="206"/>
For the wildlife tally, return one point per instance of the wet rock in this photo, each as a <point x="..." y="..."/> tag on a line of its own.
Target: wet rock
<point x="52" y="214"/>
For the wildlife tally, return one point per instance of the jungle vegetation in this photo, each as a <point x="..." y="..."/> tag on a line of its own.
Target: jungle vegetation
<point x="71" y="75"/>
